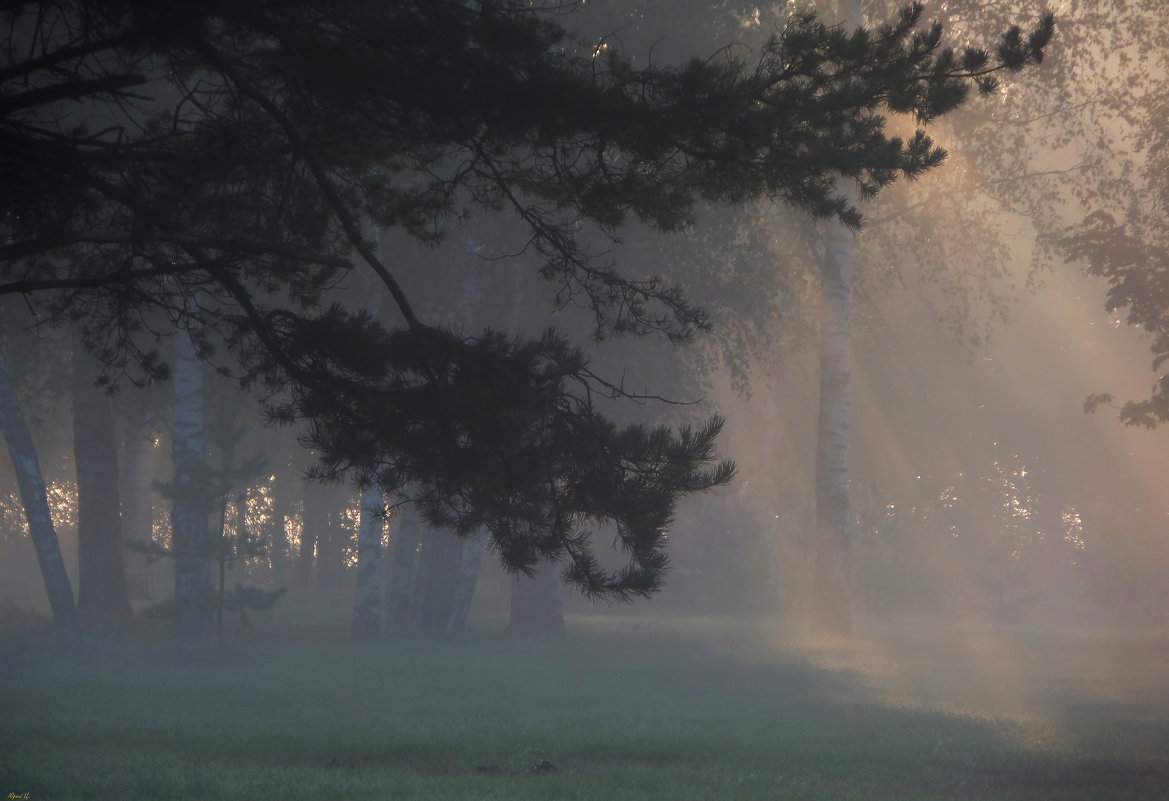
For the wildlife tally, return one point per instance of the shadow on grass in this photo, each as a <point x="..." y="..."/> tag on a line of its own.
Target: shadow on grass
<point x="621" y="714"/>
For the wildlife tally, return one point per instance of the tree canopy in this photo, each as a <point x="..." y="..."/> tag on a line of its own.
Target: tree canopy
<point x="218" y="167"/>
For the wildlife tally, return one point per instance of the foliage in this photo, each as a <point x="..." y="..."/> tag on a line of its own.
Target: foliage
<point x="211" y="166"/>
<point x="998" y="542"/>
<point x="1079" y="154"/>
<point x="1137" y="272"/>
<point x="225" y="551"/>
<point x="233" y="543"/>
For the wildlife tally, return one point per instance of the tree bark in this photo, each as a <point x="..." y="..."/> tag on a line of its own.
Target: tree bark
<point x="320" y="529"/>
<point x="137" y="496"/>
<point x="422" y="560"/>
<point x="367" y="596"/>
<point x="306" y="556"/>
<point x="276" y="531"/>
<point x="404" y="535"/>
<point x="831" y="577"/>
<point x="190" y="514"/>
<point x="367" y="602"/>
<point x="438" y="571"/>
<point x="831" y="592"/>
<point x="101" y="576"/>
<point x="36" y="502"/>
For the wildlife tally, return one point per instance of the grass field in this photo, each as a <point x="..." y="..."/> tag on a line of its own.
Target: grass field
<point x="624" y="709"/>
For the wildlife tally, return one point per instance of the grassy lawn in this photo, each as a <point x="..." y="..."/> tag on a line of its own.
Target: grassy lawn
<point x="624" y="709"/>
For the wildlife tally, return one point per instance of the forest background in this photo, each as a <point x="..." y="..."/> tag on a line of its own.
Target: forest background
<point x="979" y="486"/>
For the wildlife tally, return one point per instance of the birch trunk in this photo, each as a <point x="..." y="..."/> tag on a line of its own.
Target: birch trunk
<point x="832" y="590"/>
<point x="101" y="575"/>
<point x="36" y="502"/>
<point x="367" y="603"/>
<point x="137" y="497"/>
<point x="190" y="513"/>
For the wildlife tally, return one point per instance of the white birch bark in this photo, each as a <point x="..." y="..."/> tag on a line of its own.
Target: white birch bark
<point x="137" y="497"/>
<point x="833" y="532"/>
<point x="190" y="513"/>
<point x="831" y="592"/>
<point x="33" y="495"/>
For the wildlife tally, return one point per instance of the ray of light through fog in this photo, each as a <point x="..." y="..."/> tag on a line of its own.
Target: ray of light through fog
<point x="1007" y="567"/>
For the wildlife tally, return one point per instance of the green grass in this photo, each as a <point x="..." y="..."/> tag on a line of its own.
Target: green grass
<point x="625" y="709"/>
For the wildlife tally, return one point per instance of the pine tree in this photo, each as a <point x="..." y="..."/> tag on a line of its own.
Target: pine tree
<point x="213" y="165"/>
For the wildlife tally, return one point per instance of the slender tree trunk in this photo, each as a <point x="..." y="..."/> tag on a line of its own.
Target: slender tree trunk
<point x="101" y="576"/>
<point x="306" y="557"/>
<point x="36" y="502"/>
<point x="322" y="516"/>
<point x="137" y="495"/>
<point x="437" y="577"/>
<point x="422" y="562"/>
<point x="536" y="604"/>
<point x="468" y="579"/>
<point x="191" y="511"/>
<point x="404" y="536"/>
<point x="367" y="595"/>
<point x="277" y="531"/>
<point x="367" y="603"/>
<point x="832" y="582"/>
<point x="315" y="535"/>
<point x="831" y="578"/>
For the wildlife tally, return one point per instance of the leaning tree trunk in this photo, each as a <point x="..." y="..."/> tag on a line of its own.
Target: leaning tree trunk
<point x="101" y="575"/>
<point x="191" y="511"/>
<point x="831" y="578"/>
<point x="36" y="502"/>
<point x="367" y="601"/>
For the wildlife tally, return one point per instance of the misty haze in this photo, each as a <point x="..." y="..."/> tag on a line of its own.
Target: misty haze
<point x="552" y="399"/>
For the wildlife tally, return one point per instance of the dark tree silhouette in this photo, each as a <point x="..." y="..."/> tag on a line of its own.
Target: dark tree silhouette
<point x="212" y="166"/>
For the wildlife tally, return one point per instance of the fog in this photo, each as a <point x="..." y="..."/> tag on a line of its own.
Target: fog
<point x="1002" y="608"/>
